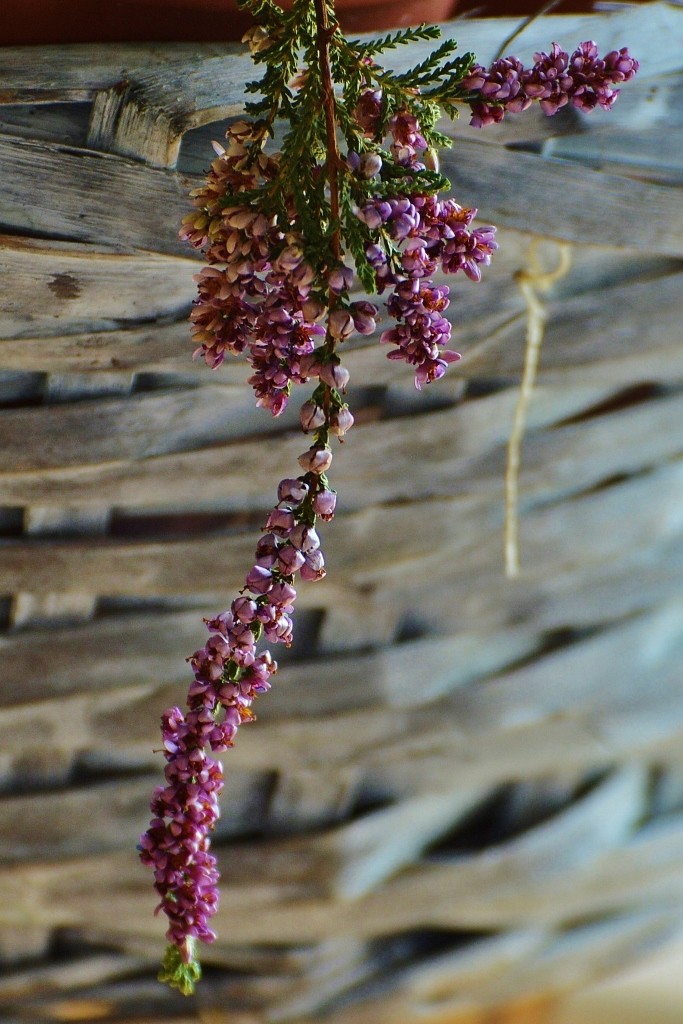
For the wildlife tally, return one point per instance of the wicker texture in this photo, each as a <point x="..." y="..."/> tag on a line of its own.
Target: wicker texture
<point x="463" y="792"/>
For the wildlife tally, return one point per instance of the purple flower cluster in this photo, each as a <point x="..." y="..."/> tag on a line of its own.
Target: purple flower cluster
<point x="421" y="329"/>
<point x="256" y="295"/>
<point x="176" y="845"/>
<point x="265" y="316"/>
<point x="585" y="80"/>
<point x="426" y="234"/>
<point x="259" y="296"/>
<point x="229" y="674"/>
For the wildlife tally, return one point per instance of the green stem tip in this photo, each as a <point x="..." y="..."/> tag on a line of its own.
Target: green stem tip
<point x="177" y="973"/>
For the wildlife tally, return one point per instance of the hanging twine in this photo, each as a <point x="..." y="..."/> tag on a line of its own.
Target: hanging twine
<point x="533" y="281"/>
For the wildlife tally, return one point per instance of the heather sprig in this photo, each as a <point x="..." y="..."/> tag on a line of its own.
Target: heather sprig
<point x="352" y="194"/>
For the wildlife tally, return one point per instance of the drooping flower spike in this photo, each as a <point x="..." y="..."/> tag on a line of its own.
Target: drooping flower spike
<point x="287" y="237"/>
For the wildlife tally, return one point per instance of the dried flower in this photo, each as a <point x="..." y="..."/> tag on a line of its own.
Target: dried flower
<point x="278" y="234"/>
<point x="316" y="460"/>
<point x="556" y="79"/>
<point x="341" y="421"/>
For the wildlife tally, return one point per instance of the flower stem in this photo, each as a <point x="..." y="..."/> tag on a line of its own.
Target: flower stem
<point x="325" y="33"/>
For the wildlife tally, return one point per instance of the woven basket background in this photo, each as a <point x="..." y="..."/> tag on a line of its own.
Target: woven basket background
<point x="464" y="794"/>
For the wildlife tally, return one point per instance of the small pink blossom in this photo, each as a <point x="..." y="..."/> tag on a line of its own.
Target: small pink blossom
<point x="316" y="460"/>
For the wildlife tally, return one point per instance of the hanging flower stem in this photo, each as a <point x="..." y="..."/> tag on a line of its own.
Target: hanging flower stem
<point x="324" y="35"/>
<point x="351" y="199"/>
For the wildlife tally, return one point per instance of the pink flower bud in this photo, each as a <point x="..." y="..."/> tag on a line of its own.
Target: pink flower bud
<point x="223" y="623"/>
<point x="293" y="491"/>
<point x="244" y="609"/>
<point x="341" y="324"/>
<point x="324" y="503"/>
<point x="311" y="416"/>
<point x="341" y="280"/>
<point x="266" y="551"/>
<point x="370" y="164"/>
<point x="313" y="309"/>
<point x="303" y="276"/>
<point x="259" y="580"/>
<point x="314" y="566"/>
<point x="431" y="159"/>
<point x="289" y="259"/>
<point x="280" y="521"/>
<point x="316" y="460"/>
<point x="239" y="217"/>
<point x="341" y="421"/>
<point x="335" y="375"/>
<point x="266" y="611"/>
<point x="279" y="630"/>
<point x="290" y="559"/>
<point x="364" y="314"/>
<point x="282" y="594"/>
<point x="305" y="538"/>
<point x="309" y="365"/>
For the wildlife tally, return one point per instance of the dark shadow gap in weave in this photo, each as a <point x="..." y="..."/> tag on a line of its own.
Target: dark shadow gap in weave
<point x="60" y="121"/>
<point x="111" y="607"/>
<point x="483" y="387"/>
<point x="176" y="525"/>
<point x="21" y="388"/>
<point x="5" y="611"/>
<point x="11" y="521"/>
<point x="625" y="398"/>
<point x="513" y="809"/>
<point x="389" y="957"/>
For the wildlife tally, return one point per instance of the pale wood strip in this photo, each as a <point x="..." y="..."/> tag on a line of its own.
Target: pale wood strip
<point x="511" y="887"/>
<point x="633" y="335"/>
<point x="152" y="649"/>
<point x="365" y="853"/>
<point x="82" y="820"/>
<point x="477" y="312"/>
<point x="131" y="453"/>
<point x="517" y="725"/>
<point x="54" y="122"/>
<point x="151" y="347"/>
<point x="494" y="973"/>
<point x="638" y="875"/>
<point x="51" y="978"/>
<point x="633" y="325"/>
<point x="650" y="153"/>
<point x="550" y="198"/>
<point x="544" y="718"/>
<point x="171" y="475"/>
<point x="70" y="605"/>
<point x="527" y="191"/>
<point x="54" y="287"/>
<point x="29" y="942"/>
<point x="645" y="576"/>
<point x="345" y="863"/>
<point x="114" y="430"/>
<point x="75" y="73"/>
<point x="376" y="546"/>
<point x="562" y="202"/>
<point x="87" y="196"/>
<point x="105" y="653"/>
